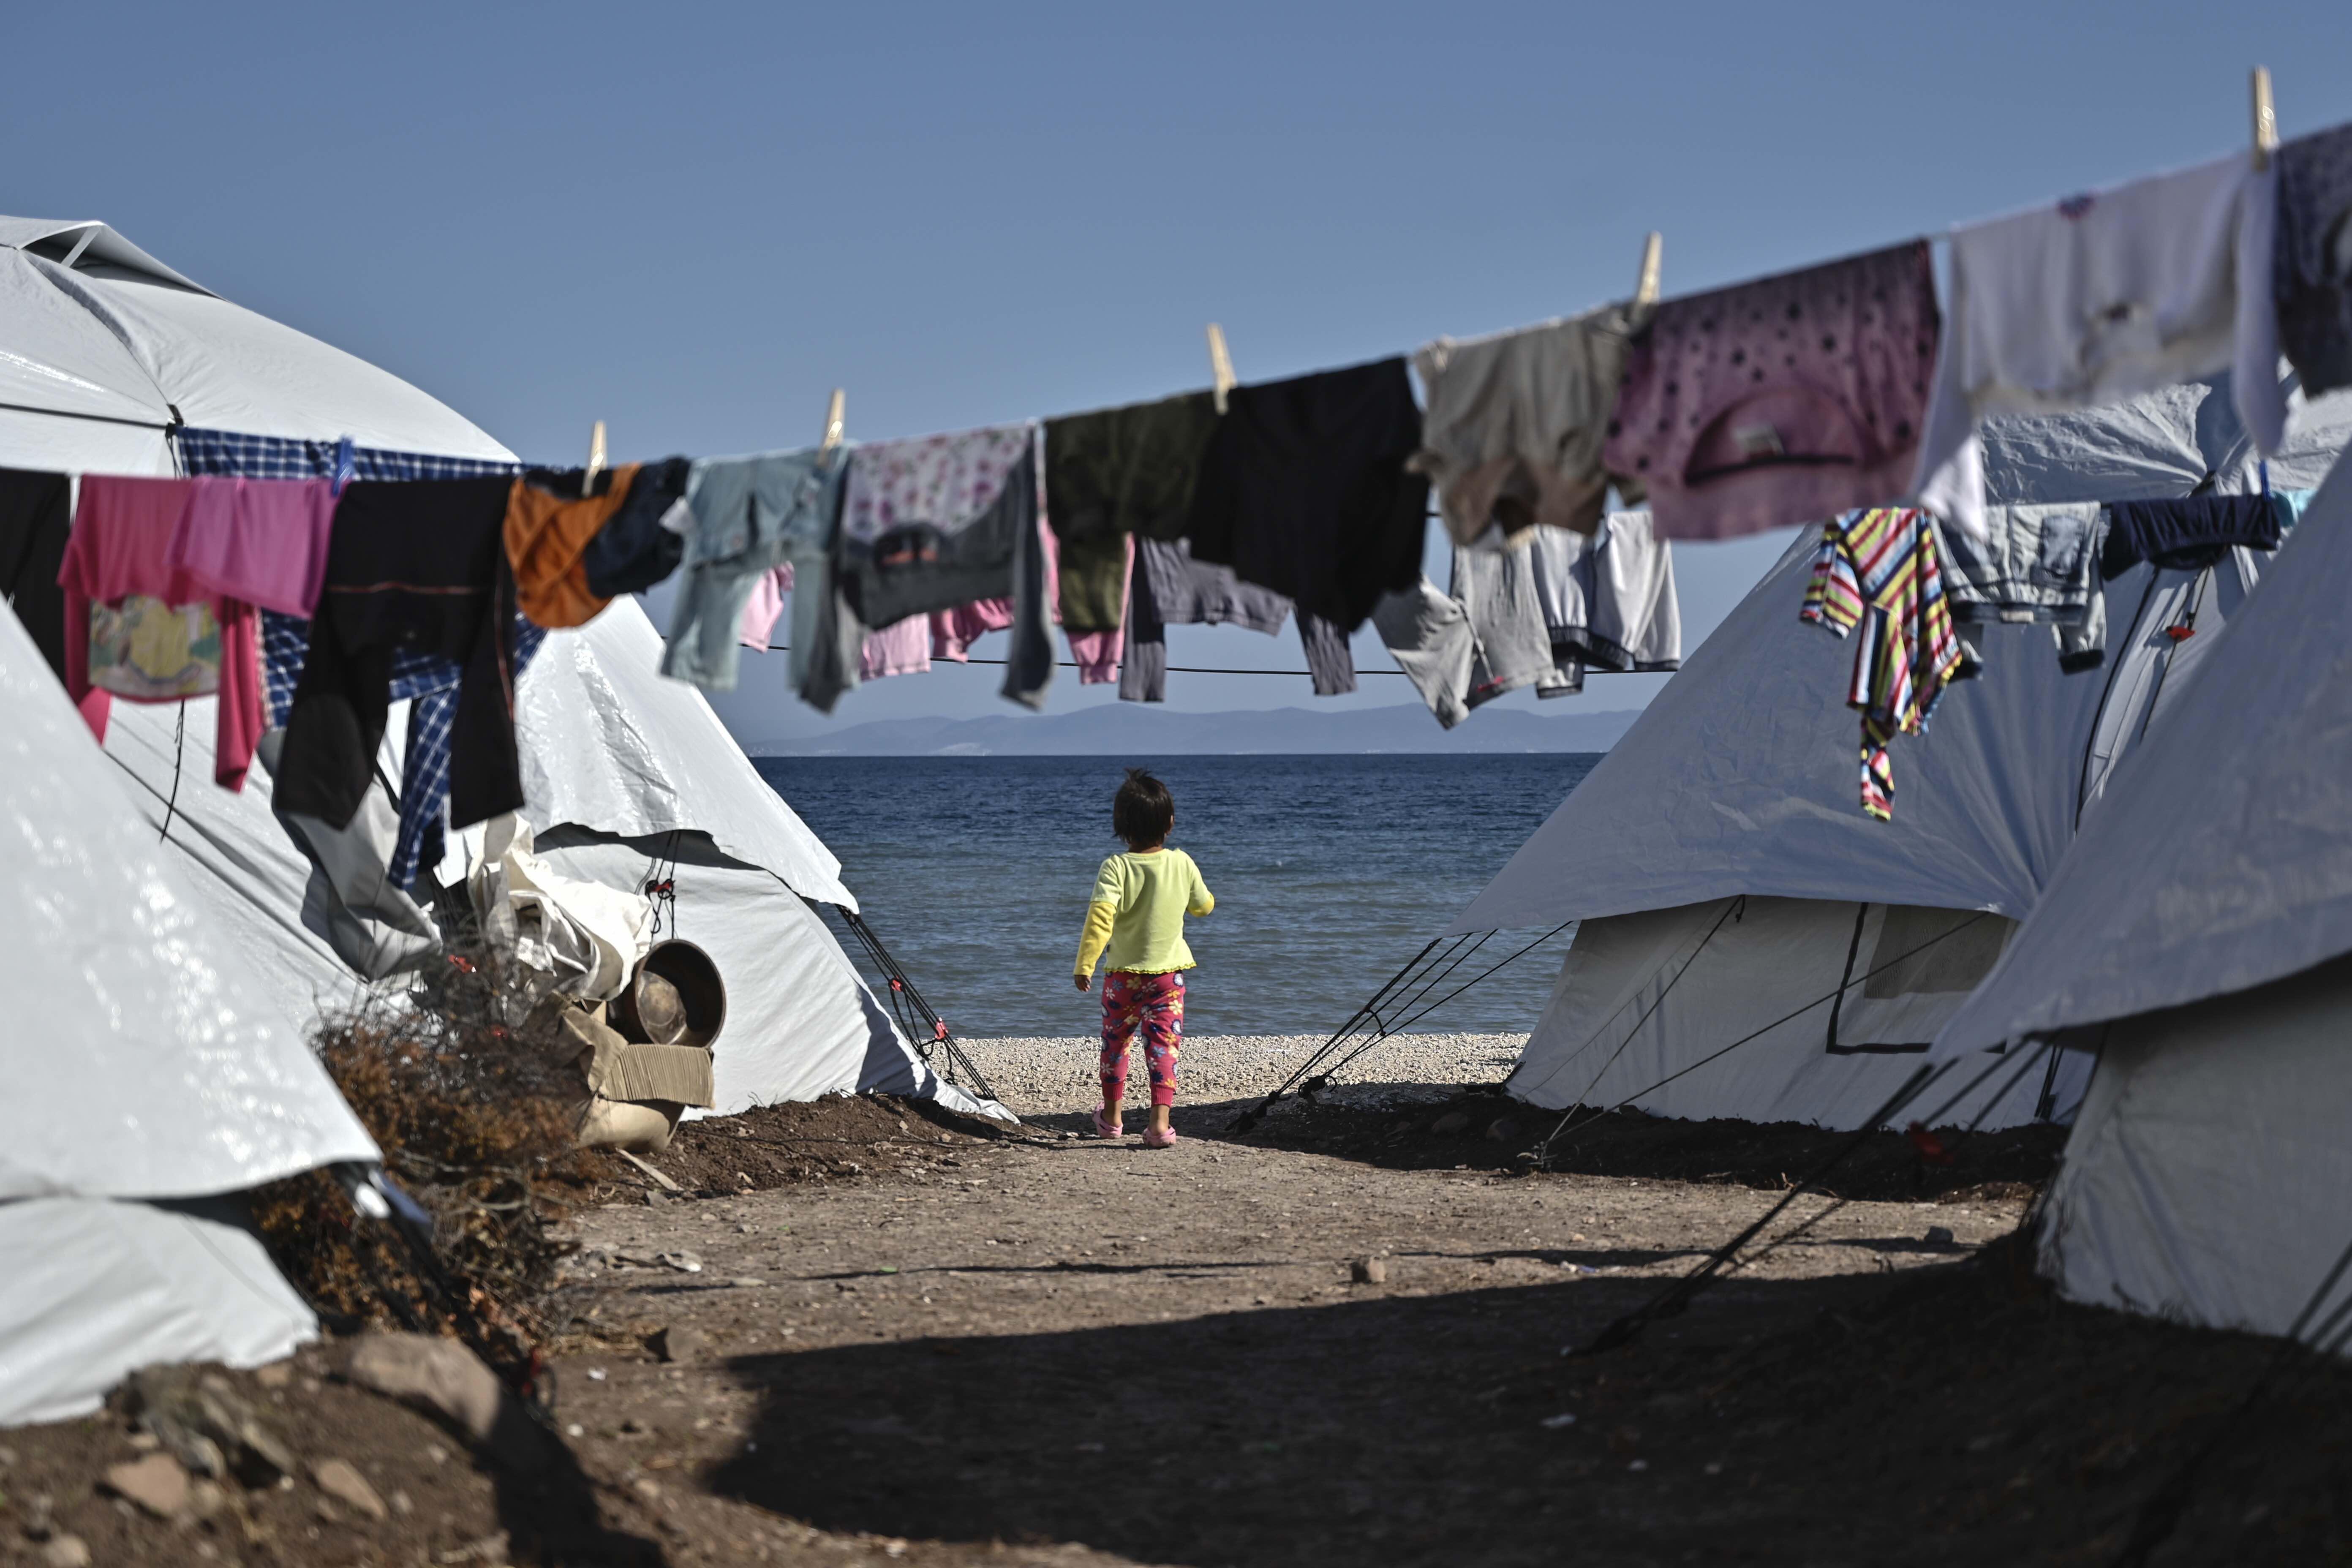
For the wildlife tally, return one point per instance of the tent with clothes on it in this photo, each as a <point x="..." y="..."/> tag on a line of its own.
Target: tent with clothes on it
<point x="2198" y="937"/>
<point x="152" y="1078"/>
<point x="1752" y="945"/>
<point x="113" y="363"/>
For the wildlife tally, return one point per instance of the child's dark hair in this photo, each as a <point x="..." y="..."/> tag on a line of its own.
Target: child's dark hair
<point x="1143" y="811"/>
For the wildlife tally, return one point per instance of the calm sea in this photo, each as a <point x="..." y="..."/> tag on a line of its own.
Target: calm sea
<point x="1329" y="873"/>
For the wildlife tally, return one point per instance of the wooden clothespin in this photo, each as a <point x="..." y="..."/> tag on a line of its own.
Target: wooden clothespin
<point x="595" y="459"/>
<point x="834" y="412"/>
<point x="2265" y="120"/>
<point x="1645" y="282"/>
<point x="1221" y="364"/>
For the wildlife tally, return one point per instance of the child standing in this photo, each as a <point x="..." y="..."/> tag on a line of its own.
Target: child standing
<point x="1135" y="926"/>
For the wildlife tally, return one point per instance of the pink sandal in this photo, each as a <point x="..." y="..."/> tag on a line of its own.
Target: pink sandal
<point x="1155" y="1139"/>
<point x="1107" y="1129"/>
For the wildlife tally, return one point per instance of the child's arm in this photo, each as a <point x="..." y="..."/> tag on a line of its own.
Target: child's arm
<point x="1102" y="911"/>
<point x="1093" y="939"/>
<point x="1203" y="900"/>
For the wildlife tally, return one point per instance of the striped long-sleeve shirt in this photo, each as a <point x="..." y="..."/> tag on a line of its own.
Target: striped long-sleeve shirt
<point x="1878" y="570"/>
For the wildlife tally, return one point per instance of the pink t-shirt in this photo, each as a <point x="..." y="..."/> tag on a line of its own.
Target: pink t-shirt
<point x="122" y="536"/>
<point x="261" y="540"/>
<point x="902" y="647"/>
<point x="954" y="631"/>
<point x="760" y="610"/>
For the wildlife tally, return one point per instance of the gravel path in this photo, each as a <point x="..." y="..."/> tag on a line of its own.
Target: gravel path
<point x="1041" y="1076"/>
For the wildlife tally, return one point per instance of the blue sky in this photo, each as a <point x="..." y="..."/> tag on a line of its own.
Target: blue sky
<point x="693" y="221"/>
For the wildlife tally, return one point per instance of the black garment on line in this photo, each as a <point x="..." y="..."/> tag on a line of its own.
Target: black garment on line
<point x="2185" y="534"/>
<point x="2312" y="263"/>
<point x="1303" y="491"/>
<point x="418" y="565"/>
<point x="1113" y="473"/>
<point x="36" y="518"/>
<point x="633" y="551"/>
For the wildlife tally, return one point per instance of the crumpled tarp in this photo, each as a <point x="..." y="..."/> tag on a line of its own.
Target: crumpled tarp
<point x="148" y="1057"/>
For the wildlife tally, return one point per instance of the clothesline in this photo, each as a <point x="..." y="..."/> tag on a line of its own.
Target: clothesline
<point x="1173" y="670"/>
<point x="2266" y="144"/>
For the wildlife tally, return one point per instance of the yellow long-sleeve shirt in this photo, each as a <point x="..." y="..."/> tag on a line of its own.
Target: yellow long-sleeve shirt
<point x="1135" y="920"/>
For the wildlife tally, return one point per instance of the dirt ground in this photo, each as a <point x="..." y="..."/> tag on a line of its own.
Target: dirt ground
<point x="867" y="1334"/>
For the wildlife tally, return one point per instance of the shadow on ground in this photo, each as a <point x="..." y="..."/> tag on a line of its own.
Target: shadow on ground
<point x="1482" y="1130"/>
<point x="1957" y="1415"/>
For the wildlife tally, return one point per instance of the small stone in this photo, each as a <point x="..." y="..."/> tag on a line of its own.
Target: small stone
<point x="634" y="1427"/>
<point x="145" y="1442"/>
<point x="684" y="1262"/>
<point x="1369" y="1270"/>
<point x="402" y="1505"/>
<point x="339" y="1480"/>
<point x="66" y="1551"/>
<point x="748" y="1282"/>
<point x="445" y="1379"/>
<point x="206" y="1499"/>
<point x="206" y="1425"/>
<point x="156" y="1483"/>
<point x="678" y="1342"/>
<point x="1556" y="1422"/>
<point x="1940" y="1235"/>
<point x="277" y="1374"/>
<point x="1452" y="1122"/>
<point x="647" y="1488"/>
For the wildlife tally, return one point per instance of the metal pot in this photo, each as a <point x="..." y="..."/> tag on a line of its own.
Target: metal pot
<point x="675" y="998"/>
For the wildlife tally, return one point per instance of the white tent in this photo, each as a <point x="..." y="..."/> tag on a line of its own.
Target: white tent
<point x="102" y="348"/>
<point x="153" y="1072"/>
<point x="2195" y="935"/>
<point x="1734" y="895"/>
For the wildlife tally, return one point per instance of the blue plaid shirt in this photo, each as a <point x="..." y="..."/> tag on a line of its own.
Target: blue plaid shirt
<point x="427" y="682"/>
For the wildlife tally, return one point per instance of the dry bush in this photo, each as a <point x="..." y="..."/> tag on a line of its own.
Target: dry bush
<point x="473" y="1107"/>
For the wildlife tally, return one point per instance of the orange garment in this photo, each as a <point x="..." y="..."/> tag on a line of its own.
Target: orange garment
<point x="547" y="535"/>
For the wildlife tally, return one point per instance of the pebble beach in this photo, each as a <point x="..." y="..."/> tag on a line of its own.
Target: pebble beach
<point x="1041" y="1075"/>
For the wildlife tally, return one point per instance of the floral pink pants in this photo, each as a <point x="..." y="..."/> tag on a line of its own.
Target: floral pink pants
<point x="1151" y="1007"/>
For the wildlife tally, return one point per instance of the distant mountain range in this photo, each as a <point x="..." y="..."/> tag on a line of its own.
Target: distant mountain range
<point x="1137" y="728"/>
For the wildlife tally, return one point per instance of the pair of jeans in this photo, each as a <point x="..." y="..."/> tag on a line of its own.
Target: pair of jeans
<point x="752" y="515"/>
<point x="2037" y="562"/>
